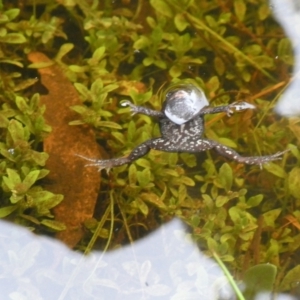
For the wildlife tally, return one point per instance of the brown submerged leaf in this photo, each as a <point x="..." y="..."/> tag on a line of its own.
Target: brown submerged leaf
<point x="68" y="175"/>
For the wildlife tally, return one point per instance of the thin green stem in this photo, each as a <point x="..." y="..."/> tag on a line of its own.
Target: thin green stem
<point x="97" y="231"/>
<point x="229" y="277"/>
<point x="198" y="24"/>
<point x="112" y="220"/>
<point x="272" y="103"/>
<point x="126" y="225"/>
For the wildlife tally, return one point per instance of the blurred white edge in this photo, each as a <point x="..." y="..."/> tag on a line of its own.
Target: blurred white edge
<point x="287" y="13"/>
<point x="164" y="265"/>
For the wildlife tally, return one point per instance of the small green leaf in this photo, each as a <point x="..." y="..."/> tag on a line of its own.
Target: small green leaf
<point x="255" y="200"/>
<point x="285" y="51"/>
<point x="259" y="278"/>
<point x="144" y="177"/>
<point x="252" y="50"/>
<point x="3" y="121"/>
<point x="162" y="8"/>
<point x="226" y="176"/>
<point x="142" y="206"/>
<point x="189" y="159"/>
<point x="240" y="9"/>
<point x="108" y="124"/>
<point x="43" y="173"/>
<point x="13" y="38"/>
<point x="76" y="122"/>
<point x="219" y="65"/>
<point x="208" y="201"/>
<point x="180" y="22"/>
<point x="271" y="216"/>
<point x="38" y="157"/>
<point x="97" y="86"/>
<point x="5" y="211"/>
<point x="31" y="178"/>
<point x="83" y="90"/>
<point x="64" y="50"/>
<point x="182" y="193"/>
<point x="143" y="163"/>
<point x="234" y="213"/>
<point x="16" y="130"/>
<point x="14" y="198"/>
<point x="275" y="170"/>
<point x="131" y="131"/>
<point x="26" y="83"/>
<point x="108" y="88"/>
<point x="172" y="161"/>
<point x="142" y="43"/>
<point x="55" y="225"/>
<point x="151" y="22"/>
<point x="228" y="142"/>
<point x="41" y="65"/>
<point x="291" y="280"/>
<point x="44" y="201"/>
<point x="187" y="181"/>
<point x="175" y="71"/>
<point x="3" y="17"/>
<point x="79" y="109"/>
<point x="21" y="103"/>
<point x="264" y="61"/>
<point x="119" y="137"/>
<point x="12" y="13"/>
<point x="13" y="178"/>
<point x="132" y="174"/>
<point x="77" y="69"/>
<point x="221" y="200"/>
<point x="170" y="172"/>
<point x="148" y="61"/>
<point x="153" y="199"/>
<point x="263" y="11"/>
<point x="295" y="151"/>
<point x="99" y="53"/>
<point x="213" y="84"/>
<point x="294" y="182"/>
<point x="212" y="244"/>
<point x="160" y="63"/>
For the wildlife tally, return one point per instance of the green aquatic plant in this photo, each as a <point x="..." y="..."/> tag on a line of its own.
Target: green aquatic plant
<point x="233" y="50"/>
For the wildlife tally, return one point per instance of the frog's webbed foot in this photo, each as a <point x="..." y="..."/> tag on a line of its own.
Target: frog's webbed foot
<point x="260" y="160"/>
<point x="106" y="164"/>
<point x="272" y="157"/>
<point x="133" y="108"/>
<point x="238" y="106"/>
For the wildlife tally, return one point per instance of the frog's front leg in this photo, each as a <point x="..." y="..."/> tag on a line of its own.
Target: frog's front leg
<point x="142" y="110"/>
<point x="228" y="109"/>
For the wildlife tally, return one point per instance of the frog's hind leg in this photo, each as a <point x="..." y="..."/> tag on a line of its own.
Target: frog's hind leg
<point x="181" y="145"/>
<point x="194" y="146"/>
<point x="107" y="164"/>
<point x="249" y="160"/>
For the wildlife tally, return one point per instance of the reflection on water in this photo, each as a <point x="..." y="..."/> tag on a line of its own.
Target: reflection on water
<point x="165" y="265"/>
<point x="287" y="14"/>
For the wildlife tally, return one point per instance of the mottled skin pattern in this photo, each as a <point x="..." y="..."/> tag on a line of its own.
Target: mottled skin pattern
<point x="187" y="137"/>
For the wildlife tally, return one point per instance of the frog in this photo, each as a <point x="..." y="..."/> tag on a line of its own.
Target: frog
<point x="182" y="126"/>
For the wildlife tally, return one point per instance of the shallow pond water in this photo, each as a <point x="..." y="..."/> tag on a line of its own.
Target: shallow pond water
<point x="169" y="226"/>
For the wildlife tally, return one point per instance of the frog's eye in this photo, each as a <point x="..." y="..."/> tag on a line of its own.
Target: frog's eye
<point x="183" y="103"/>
